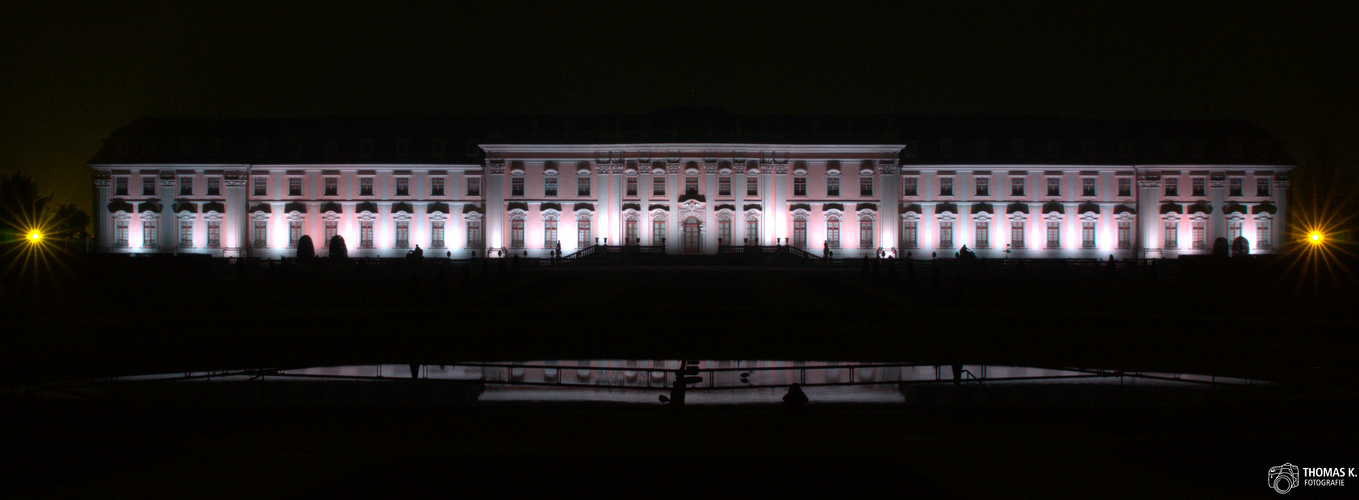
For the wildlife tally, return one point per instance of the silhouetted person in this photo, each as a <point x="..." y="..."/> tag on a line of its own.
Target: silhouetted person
<point x="419" y="252"/>
<point x="957" y="373"/>
<point x="795" y="399"/>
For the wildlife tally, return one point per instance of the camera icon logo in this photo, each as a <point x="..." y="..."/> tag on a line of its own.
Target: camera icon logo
<point x="1283" y="478"/>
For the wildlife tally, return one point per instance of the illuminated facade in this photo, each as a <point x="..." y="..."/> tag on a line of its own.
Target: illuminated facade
<point x="691" y="180"/>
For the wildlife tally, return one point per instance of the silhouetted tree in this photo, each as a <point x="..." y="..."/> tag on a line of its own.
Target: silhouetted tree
<point x="1220" y="247"/>
<point x="305" y="250"/>
<point x="337" y="248"/>
<point x="1240" y="247"/>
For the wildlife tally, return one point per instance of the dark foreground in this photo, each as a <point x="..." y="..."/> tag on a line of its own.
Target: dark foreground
<point x="130" y="320"/>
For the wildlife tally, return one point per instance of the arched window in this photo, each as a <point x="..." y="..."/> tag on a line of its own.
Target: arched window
<point x="657" y="228"/>
<point x="865" y="232"/>
<point x="630" y="230"/>
<point x="752" y="229"/>
<point x="550" y="231"/>
<point x="724" y="229"/>
<point x="517" y="231"/>
<point x="583" y="231"/>
<point x="800" y="231"/>
<point x="833" y="232"/>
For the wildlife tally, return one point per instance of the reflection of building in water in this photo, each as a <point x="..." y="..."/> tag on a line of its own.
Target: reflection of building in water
<point x="689" y="179"/>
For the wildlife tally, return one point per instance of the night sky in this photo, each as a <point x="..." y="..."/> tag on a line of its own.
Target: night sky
<point x="72" y="74"/>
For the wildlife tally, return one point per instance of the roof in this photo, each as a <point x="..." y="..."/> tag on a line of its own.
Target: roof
<point x="390" y="139"/>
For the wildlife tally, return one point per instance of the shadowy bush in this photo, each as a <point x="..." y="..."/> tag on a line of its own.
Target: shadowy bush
<point x="305" y="250"/>
<point x="1240" y="247"/>
<point x="337" y="249"/>
<point x="1220" y="247"/>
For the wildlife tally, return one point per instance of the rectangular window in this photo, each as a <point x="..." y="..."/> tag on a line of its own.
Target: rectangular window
<point x="436" y="186"/>
<point x="120" y="233"/>
<point x="214" y="233"/>
<point x="1261" y="234"/>
<point x="945" y="234"/>
<point x="833" y="233"/>
<point x="550" y="186"/>
<point x="1173" y="186"/>
<point x="908" y="234"/>
<point x="366" y="186"/>
<point x="1088" y="186"/>
<point x="261" y="186"/>
<point x="983" y="235"/>
<point x="1054" y="234"/>
<point x="1234" y="186"/>
<point x="1200" y="234"/>
<point x="691" y="185"/>
<point x="658" y="186"/>
<point x="517" y="233"/>
<point x="332" y="186"/>
<point x="630" y="231"/>
<point x="294" y="232"/>
<point x="1198" y="186"/>
<point x="866" y="185"/>
<point x="1087" y="234"/>
<point x="1171" y="239"/>
<point x="657" y="231"/>
<point x="983" y="186"/>
<point x="865" y="233"/>
<point x="403" y="186"/>
<point x="1016" y="234"/>
<point x="186" y="234"/>
<point x="800" y="233"/>
<point x="332" y="229"/>
<point x="1124" y="234"/>
<point x="908" y="185"/>
<point x="150" y="235"/>
<point x="1262" y="186"/>
<point x="120" y="186"/>
<point x="186" y="186"/>
<point x="583" y="186"/>
<point x="631" y="189"/>
<point x="1054" y="186"/>
<point x="148" y="186"/>
<point x="800" y="185"/>
<point x="365" y="234"/>
<point x="259" y="235"/>
<point x="1124" y="186"/>
<point x="752" y="186"/>
<point x="474" y="234"/>
<point x="294" y="186"/>
<point x="550" y="233"/>
<point x="752" y="230"/>
<point x="1017" y="187"/>
<point x="946" y="186"/>
<point x="517" y="185"/>
<point x="724" y="185"/>
<point x="436" y="234"/>
<point x="1233" y="230"/>
<point x="832" y="186"/>
<point x="583" y="233"/>
<point x="403" y="234"/>
<point x="473" y="186"/>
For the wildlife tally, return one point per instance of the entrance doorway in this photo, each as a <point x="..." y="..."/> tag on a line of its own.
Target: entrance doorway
<point x="691" y="236"/>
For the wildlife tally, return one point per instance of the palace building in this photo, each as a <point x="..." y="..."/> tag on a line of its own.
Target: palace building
<point x="692" y="180"/>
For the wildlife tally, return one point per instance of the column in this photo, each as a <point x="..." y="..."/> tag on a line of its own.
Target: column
<point x="169" y="224"/>
<point x="767" y="212"/>
<point x="709" y="178"/>
<point x="101" y="218"/>
<point x="672" y="222"/>
<point x="616" y="203"/>
<point x="889" y="220"/>
<point x="779" y="214"/>
<point x="1279" y="231"/>
<point x="601" y="226"/>
<point x="1148" y="212"/>
<point x="644" y="194"/>
<point x="1217" y="221"/>
<point x="234" y="224"/>
<point x="738" y="187"/>
<point x="493" y="221"/>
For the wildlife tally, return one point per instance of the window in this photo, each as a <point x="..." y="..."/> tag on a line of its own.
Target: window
<point x="866" y="185"/>
<point x="403" y="234"/>
<point x="752" y="186"/>
<point x="332" y="186"/>
<point x="150" y="236"/>
<point x="630" y="230"/>
<point x="983" y="186"/>
<point x="1017" y="186"/>
<point x="1234" y="186"/>
<point x="332" y="229"/>
<point x="1262" y="186"/>
<point x="186" y="186"/>
<point x="403" y="186"/>
<point x="436" y="186"/>
<point x="1124" y="186"/>
<point x="1088" y="186"/>
<point x="1172" y="235"/>
<point x="261" y="186"/>
<point x="365" y="234"/>
<point x="260" y="234"/>
<point x="752" y="230"/>
<point x="582" y="232"/>
<point x="1087" y="234"/>
<point x="1199" y="234"/>
<point x="186" y="234"/>
<point x="148" y="186"/>
<point x="657" y="230"/>
<point x="946" y="186"/>
<point x="1261" y="233"/>
<point x="1124" y="234"/>
<point x="214" y="234"/>
<point x="294" y="186"/>
<point x="473" y="186"/>
<point x="436" y="234"/>
<point x="1016" y="234"/>
<point x="983" y="235"/>
<point x="120" y="186"/>
<point x="800" y="232"/>
<point x="724" y="185"/>
<point x="658" y="185"/>
<point x="120" y="233"/>
<point x="366" y="186"/>
<point x="1054" y="234"/>
<point x="865" y="232"/>
<point x="832" y="186"/>
<point x="1233" y="230"/>
<point x="800" y="185"/>
<point x="1198" y="186"/>
<point x="833" y="232"/>
<point x="517" y="185"/>
<point x="724" y="230"/>
<point x="690" y="185"/>
<point x="631" y="186"/>
<point x="474" y="233"/>
<point x="583" y="186"/>
<point x="908" y="185"/>
<point x="945" y="234"/>
<point x="294" y="232"/>
<point x="1054" y="186"/>
<point x="1173" y="186"/>
<point x="517" y="232"/>
<point x="550" y="232"/>
<point x="908" y="234"/>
